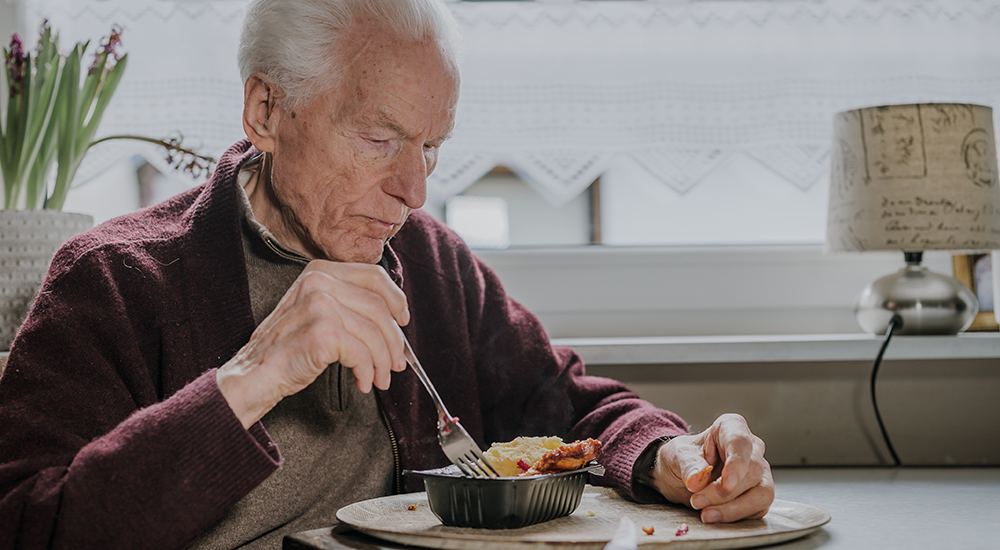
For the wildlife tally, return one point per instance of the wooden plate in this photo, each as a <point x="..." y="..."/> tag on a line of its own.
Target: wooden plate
<point x="591" y="526"/>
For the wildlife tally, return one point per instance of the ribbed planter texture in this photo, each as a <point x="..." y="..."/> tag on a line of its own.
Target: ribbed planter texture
<point x="28" y="239"/>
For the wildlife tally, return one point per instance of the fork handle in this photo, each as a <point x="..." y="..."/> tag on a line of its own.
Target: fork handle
<point x="443" y="414"/>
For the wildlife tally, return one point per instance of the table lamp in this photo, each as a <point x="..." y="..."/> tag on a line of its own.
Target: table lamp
<point x="914" y="178"/>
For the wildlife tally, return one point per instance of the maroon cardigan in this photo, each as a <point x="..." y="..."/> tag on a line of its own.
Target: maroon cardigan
<point x="113" y="433"/>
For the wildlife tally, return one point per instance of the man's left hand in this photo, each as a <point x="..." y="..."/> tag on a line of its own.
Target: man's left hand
<point x="720" y="471"/>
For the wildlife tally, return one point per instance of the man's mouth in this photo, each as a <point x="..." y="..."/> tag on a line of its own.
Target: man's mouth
<point x="381" y="223"/>
<point x="387" y="224"/>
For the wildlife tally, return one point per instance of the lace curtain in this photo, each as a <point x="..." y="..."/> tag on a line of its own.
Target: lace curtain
<point x="558" y="91"/>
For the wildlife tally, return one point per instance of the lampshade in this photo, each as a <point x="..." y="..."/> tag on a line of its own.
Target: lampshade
<point x="914" y="178"/>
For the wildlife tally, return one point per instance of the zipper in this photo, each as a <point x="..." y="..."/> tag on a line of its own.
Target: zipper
<point x="395" y="446"/>
<point x="385" y="418"/>
<point x="277" y="249"/>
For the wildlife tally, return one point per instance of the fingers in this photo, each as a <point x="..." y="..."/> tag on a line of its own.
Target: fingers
<point x="333" y="312"/>
<point x="736" y="448"/>
<point x="699" y="479"/>
<point x="680" y="465"/>
<point x="717" y="493"/>
<point x="355" y="340"/>
<point x="690" y="461"/>
<point x="696" y="472"/>
<point x="367" y="306"/>
<point x="369" y="277"/>
<point x="363" y="316"/>
<point x="744" y="487"/>
<point x="721" y="471"/>
<point x="750" y="504"/>
<point x="346" y="313"/>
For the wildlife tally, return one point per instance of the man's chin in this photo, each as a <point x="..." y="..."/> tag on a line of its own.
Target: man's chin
<point x="365" y="250"/>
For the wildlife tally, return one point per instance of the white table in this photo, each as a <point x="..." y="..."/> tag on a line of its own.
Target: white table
<point x="871" y="508"/>
<point x="888" y="509"/>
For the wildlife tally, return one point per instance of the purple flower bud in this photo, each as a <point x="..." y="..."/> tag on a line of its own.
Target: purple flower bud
<point x="108" y="48"/>
<point x="16" y="62"/>
<point x="114" y="41"/>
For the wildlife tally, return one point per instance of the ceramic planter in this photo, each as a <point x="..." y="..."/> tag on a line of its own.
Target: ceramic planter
<point x="28" y="239"/>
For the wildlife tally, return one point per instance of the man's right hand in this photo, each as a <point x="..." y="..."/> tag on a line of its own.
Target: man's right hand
<point x="333" y="312"/>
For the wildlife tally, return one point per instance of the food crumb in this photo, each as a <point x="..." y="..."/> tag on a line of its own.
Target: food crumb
<point x="682" y="530"/>
<point x="648" y="530"/>
<point x="411" y="507"/>
<point x="591" y="514"/>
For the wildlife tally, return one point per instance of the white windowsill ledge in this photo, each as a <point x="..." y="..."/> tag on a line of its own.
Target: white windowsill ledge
<point x="772" y="348"/>
<point x="778" y="348"/>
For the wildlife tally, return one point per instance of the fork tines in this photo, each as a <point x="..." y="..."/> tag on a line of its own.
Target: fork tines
<point x="476" y="467"/>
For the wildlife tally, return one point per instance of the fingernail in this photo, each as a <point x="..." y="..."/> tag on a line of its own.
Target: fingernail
<point x="730" y="482"/>
<point x="711" y="516"/>
<point x="699" y="501"/>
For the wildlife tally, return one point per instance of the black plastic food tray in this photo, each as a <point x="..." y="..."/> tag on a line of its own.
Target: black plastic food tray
<point x="503" y="503"/>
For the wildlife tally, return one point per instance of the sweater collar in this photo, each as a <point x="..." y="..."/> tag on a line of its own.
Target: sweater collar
<point x="215" y="269"/>
<point x="390" y="263"/>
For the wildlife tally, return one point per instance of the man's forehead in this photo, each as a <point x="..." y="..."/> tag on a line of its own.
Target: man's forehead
<point x="397" y="83"/>
<point x="369" y="49"/>
<point x="382" y="118"/>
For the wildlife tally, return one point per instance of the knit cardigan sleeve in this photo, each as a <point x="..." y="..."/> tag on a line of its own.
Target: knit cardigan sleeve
<point x="99" y="446"/>
<point x="496" y="369"/>
<point x="563" y="399"/>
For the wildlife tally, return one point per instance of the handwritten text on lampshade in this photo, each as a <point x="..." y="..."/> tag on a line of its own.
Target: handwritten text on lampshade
<point x="914" y="177"/>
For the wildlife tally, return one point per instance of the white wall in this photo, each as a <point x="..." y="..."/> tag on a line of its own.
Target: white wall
<point x="937" y="412"/>
<point x="9" y="19"/>
<point x="689" y="291"/>
<point x="112" y="194"/>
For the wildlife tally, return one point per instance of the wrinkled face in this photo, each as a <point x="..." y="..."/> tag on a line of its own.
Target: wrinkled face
<point x="351" y="164"/>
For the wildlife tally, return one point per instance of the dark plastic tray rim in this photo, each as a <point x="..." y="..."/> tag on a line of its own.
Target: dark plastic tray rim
<point x="452" y="471"/>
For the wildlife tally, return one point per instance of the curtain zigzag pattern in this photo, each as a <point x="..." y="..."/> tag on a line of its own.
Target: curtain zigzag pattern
<point x="558" y="91"/>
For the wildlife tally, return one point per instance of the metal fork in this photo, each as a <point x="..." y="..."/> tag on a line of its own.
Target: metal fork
<point x="457" y="444"/>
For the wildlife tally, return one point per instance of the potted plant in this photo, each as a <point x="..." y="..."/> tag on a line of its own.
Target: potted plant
<point x="54" y="106"/>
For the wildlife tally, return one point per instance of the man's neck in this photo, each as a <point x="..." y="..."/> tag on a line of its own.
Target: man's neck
<point x="267" y="210"/>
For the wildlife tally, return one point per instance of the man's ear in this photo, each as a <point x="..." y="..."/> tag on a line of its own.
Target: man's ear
<point x="261" y="112"/>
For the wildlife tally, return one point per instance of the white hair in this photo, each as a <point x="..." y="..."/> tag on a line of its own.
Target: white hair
<point x="293" y="41"/>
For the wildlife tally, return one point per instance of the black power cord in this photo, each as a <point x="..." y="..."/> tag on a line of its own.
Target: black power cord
<point x="895" y="323"/>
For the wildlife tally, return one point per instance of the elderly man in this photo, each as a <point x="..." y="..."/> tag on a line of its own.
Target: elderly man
<point x="200" y="373"/>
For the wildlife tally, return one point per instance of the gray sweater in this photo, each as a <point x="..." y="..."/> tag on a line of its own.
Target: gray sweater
<point x="327" y="433"/>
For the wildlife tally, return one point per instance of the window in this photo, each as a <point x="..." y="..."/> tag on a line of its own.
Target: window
<point x="699" y="130"/>
<point x="708" y="123"/>
<point x="529" y="219"/>
<point x="482" y="221"/>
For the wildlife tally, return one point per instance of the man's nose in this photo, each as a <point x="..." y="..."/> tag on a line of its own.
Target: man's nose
<point x="409" y="181"/>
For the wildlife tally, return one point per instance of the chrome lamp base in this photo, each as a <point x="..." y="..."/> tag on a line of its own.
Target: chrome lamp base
<point x="928" y="302"/>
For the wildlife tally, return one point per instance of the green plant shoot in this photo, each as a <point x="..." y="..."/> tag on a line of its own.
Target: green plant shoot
<point x="27" y="132"/>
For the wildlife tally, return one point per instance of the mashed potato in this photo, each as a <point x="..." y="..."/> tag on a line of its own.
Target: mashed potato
<point x="504" y="456"/>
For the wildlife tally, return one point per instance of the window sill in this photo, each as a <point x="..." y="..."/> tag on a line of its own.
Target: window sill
<point x="778" y="348"/>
